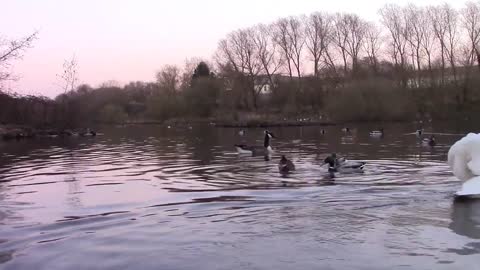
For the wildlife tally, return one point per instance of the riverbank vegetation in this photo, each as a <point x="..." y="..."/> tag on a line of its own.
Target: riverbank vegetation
<point x="417" y="62"/>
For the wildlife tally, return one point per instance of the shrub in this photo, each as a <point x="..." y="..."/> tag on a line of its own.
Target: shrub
<point x="370" y="101"/>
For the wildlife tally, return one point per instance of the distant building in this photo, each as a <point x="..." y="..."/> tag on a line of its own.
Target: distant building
<point x="264" y="86"/>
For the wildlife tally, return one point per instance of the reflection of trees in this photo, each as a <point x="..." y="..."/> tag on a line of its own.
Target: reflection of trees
<point x="201" y="140"/>
<point x="73" y="185"/>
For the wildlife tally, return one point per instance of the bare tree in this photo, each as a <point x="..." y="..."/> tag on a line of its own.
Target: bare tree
<point x="340" y="36"/>
<point x="267" y="52"/>
<point x="11" y="50"/>
<point x="452" y="18"/>
<point x="297" y="39"/>
<point x="289" y="36"/>
<point x="394" y="21"/>
<point x="444" y="20"/>
<point x="349" y="35"/>
<point x="281" y="29"/>
<point x="239" y="51"/>
<point x="427" y="37"/>
<point x="414" y="34"/>
<point x="356" y="36"/>
<point x="168" y="79"/>
<point x="230" y="62"/>
<point x="471" y="23"/>
<point x="69" y="75"/>
<point x="372" y="44"/>
<point x="317" y="37"/>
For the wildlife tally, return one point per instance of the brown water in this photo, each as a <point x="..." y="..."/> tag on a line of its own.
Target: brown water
<point x="180" y="198"/>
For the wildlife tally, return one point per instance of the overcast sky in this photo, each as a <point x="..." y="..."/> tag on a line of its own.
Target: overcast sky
<point x="129" y="40"/>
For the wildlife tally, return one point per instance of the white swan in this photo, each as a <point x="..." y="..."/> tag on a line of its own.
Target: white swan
<point x="464" y="159"/>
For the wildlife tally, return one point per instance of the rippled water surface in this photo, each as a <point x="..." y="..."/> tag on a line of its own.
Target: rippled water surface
<point x="181" y="198"/>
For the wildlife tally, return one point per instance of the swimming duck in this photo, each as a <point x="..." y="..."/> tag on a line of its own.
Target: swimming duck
<point x="429" y="141"/>
<point x="88" y="133"/>
<point x="265" y="149"/>
<point x="342" y="165"/>
<point x="419" y="133"/>
<point x="464" y="160"/>
<point x="285" y="165"/>
<point x="241" y="132"/>
<point x="377" y="133"/>
<point x="346" y="129"/>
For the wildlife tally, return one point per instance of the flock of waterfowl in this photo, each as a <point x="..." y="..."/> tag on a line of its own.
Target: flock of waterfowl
<point x="29" y="133"/>
<point x="463" y="158"/>
<point x="335" y="164"/>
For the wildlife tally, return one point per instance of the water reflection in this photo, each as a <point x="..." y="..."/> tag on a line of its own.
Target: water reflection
<point x="466" y="218"/>
<point x="134" y="193"/>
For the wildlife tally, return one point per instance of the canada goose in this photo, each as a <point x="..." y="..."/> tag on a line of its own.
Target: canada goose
<point x="265" y="149"/>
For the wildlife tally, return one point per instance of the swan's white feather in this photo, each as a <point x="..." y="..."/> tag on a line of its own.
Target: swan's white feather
<point x="243" y="151"/>
<point x="460" y="157"/>
<point x="470" y="187"/>
<point x="464" y="160"/>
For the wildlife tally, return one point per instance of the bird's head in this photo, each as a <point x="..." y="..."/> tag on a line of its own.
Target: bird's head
<point x="269" y="134"/>
<point x="330" y="160"/>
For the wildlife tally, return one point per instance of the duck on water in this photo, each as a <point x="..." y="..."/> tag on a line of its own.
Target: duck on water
<point x="419" y="133"/>
<point x="285" y="165"/>
<point x="377" y="133"/>
<point x="252" y="150"/>
<point x="342" y="165"/>
<point x="429" y="141"/>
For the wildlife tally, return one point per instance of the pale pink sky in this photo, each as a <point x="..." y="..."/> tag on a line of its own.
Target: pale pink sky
<point x="129" y="40"/>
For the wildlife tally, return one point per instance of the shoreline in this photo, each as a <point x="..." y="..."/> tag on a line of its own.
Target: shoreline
<point x="264" y="124"/>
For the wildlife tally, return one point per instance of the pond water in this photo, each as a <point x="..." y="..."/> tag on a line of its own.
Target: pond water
<point x="150" y="197"/>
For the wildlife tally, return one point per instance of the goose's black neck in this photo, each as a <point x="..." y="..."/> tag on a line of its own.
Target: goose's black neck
<point x="266" y="141"/>
<point x="331" y="160"/>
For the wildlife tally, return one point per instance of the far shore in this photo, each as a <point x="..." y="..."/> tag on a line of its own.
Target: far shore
<point x="233" y="124"/>
<point x="16" y="131"/>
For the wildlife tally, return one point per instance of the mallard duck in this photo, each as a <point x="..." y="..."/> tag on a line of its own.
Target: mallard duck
<point x="342" y="165"/>
<point x="429" y="141"/>
<point x="377" y="133"/>
<point x="285" y="165"/>
<point x="419" y="133"/>
<point x="88" y="133"/>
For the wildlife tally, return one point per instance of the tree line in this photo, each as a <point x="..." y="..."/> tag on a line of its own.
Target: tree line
<point x="412" y="47"/>
<point x="415" y="62"/>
